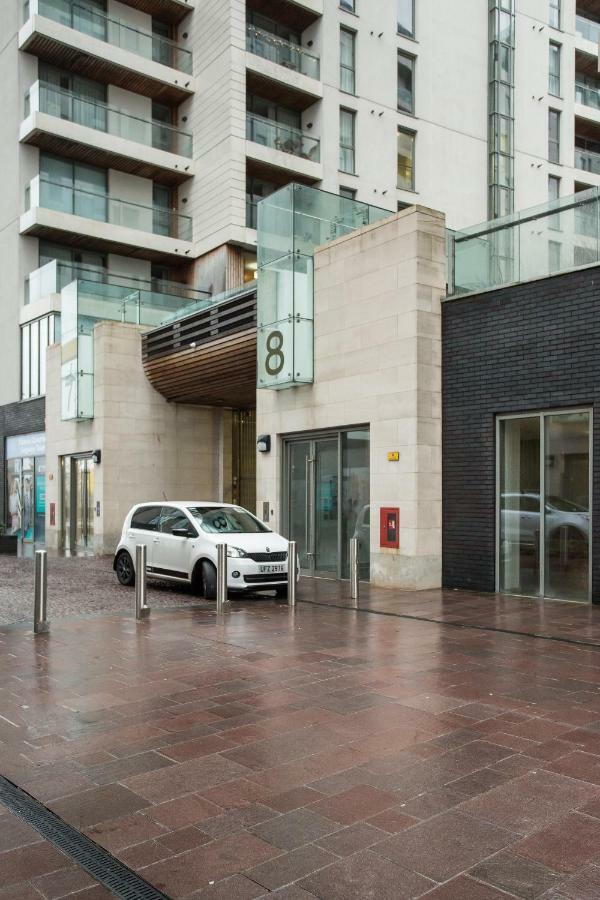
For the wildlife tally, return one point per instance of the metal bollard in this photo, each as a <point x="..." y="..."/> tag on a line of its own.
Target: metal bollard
<point x="141" y="609"/>
<point x="221" y="576"/>
<point x="40" y="593"/>
<point x="354" y="586"/>
<point x="291" y="582"/>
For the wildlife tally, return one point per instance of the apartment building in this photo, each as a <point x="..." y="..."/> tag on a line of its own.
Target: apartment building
<point x="140" y="136"/>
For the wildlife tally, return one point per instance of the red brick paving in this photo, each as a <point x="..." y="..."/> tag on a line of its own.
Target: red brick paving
<point x="317" y="753"/>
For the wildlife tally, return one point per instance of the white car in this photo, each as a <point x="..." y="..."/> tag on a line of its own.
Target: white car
<point x="181" y="545"/>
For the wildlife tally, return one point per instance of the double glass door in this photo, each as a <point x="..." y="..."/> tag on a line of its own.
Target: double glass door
<point x="327" y="500"/>
<point x="544" y="504"/>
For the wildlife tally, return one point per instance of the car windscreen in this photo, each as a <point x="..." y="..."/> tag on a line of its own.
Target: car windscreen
<point x="563" y="505"/>
<point x="227" y="520"/>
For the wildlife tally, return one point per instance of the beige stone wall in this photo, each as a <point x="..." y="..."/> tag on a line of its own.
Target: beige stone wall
<point x="377" y="362"/>
<point x="151" y="449"/>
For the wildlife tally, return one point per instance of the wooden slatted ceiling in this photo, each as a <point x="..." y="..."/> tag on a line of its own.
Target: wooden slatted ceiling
<point x="75" y="239"/>
<point x="172" y="11"/>
<point x="96" y="156"/>
<point x="207" y="358"/>
<point x="101" y="69"/>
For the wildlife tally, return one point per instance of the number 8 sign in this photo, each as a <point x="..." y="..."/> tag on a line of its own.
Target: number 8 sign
<point x="275" y="359"/>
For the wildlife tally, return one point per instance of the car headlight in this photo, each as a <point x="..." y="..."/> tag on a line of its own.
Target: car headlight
<point x="236" y="552"/>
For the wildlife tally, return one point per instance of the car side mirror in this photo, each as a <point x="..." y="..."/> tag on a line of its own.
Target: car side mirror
<point x="182" y="532"/>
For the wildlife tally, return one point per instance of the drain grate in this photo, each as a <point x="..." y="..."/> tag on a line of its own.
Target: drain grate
<point x="107" y="870"/>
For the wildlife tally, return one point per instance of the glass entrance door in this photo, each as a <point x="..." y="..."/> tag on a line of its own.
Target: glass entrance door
<point x="82" y="515"/>
<point x="327" y="482"/>
<point x="544" y="505"/>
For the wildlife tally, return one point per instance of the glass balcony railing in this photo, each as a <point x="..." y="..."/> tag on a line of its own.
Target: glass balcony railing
<point x="557" y="236"/>
<point x="52" y="277"/>
<point x="52" y="100"/>
<point x="587" y="92"/>
<point x="587" y="160"/>
<point x="104" y="208"/>
<point x="587" y="29"/>
<point x="84" y="304"/>
<point x="113" y="31"/>
<point x="284" y="53"/>
<point x="282" y="137"/>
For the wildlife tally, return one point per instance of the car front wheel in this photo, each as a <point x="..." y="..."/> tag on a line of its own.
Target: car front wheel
<point x="209" y="581"/>
<point x="124" y="569"/>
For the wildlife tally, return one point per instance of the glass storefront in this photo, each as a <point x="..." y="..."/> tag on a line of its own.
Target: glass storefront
<point x="327" y="500"/>
<point x="26" y="487"/>
<point x="544" y="505"/>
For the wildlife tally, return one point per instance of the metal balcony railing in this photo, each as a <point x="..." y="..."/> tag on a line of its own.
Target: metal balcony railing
<point x="52" y="100"/>
<point x="284" y="53"/>
<point x="104" y="208"/>
<point x="587" y="29"/>
<point x="587" y="92"/>
<point x="282" y="137"/>
<point x="113" y="31"/>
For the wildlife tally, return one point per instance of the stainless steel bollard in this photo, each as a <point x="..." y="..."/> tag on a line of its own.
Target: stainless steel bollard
<point x="354" y="586"/>
<point x="141" y="609"/>
<point x="221" y="576"/>
<point x="291" y="581"/>
<point x="40" y="593"/>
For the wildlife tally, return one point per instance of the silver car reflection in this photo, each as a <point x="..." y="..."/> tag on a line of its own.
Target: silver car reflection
<point x="520" y="519"/>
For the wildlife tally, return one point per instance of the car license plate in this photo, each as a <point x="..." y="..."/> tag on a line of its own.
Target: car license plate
<point x="270" y="570"/>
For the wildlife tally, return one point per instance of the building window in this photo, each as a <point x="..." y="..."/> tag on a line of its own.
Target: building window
<point x="347" y="61"/>
<point x="348" y="193"/>
<point x="35" y="337"/>
<point x="553" y="135"/>
<point x="406" y="160"/>
<point x="348" y="5"/>
<point x="553" y="194"/>
<point x="554" y="13"/>
<point x="406" y="17"/>
<point x="406" y="87"/>
<point x="554" y="69"/>
<point x="347" y="141"/>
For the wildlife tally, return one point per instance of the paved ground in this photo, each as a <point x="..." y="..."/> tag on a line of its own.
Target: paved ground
<point x="75" y="586"/>
<point x="318" y="753"/>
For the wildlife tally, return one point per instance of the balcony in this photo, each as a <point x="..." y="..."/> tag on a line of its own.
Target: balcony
<point x="70" y="125"/>
<point x="172" y="11"/>
<point x="282" y="146"/>
<point x="98" y="221"/>
<point x="587" y="29"/>
<point x="89" y="43"/>
<point x="291" y="72"/>
<point x="587" y="93"/>
<point x="587" y="160"/>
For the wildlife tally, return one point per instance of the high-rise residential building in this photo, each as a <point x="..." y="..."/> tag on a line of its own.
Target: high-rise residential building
<point x="139" y="136"/>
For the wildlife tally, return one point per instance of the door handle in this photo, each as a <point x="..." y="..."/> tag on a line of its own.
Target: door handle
<point x="309" y="529"/>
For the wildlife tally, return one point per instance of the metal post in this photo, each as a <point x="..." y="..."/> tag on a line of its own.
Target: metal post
<point x="141" y="609"/>
<point x="291" y="584"/>
<point x="40" y="593"/>
<point x="354" y="587"/>
<point x="221" y="576"/>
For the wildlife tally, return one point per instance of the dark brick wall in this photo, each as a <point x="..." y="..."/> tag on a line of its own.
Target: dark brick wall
<point x="530" y="347"/>
<point x="18" y="418"/>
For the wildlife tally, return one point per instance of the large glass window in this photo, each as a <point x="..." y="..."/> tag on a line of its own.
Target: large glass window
<point x="347" y="61"/>
<point x="74" y="187"/>
<point x="406" y="17"/>
<point x="554" y="13"/>
<point x="406" y="74"/>
<point x="35" y="338"/>
<point x="347" y="141"/>
<point x="406" y="160"/>
<point x="544" y="505"/>
<point x="553" y="135"/>
<point x="554" y="194"/>
<point x="554" y="69"/>
<point x="348" y="5"/>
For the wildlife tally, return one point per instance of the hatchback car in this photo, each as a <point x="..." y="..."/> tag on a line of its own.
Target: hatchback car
<point x="181" y="545"/>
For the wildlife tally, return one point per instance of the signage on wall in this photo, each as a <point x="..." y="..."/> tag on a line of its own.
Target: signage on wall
<point x="40" y="495"/>
<point x="21" y="445"/>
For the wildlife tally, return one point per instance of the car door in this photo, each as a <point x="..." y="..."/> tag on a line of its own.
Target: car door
<point x="172" y="552"/>
<point x="143" y="529"/>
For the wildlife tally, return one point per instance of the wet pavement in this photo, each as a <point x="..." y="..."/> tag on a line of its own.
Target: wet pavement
<point x="321" y="752"/>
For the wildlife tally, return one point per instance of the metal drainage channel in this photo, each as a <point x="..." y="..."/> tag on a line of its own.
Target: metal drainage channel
<point x="107" y="870"/>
